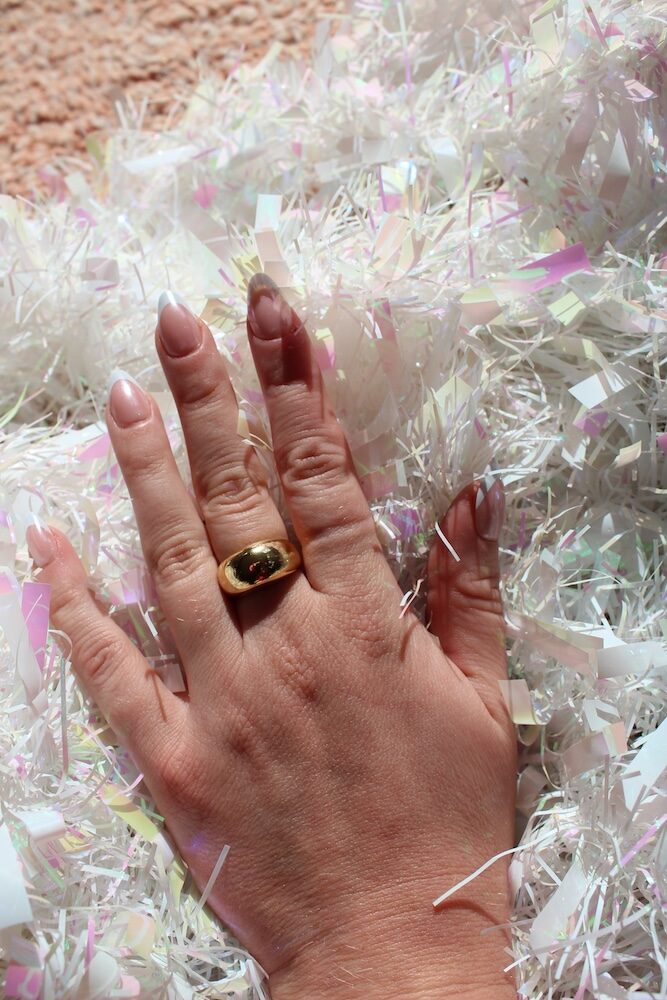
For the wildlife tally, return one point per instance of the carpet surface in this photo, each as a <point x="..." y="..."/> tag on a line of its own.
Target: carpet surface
<point x="64" y="64"/>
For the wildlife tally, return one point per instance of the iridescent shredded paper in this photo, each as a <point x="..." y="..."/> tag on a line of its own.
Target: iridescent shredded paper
<point x="467" y="202"/>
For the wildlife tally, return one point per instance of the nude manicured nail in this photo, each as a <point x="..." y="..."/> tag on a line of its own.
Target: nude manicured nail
<point x="490" y="508"/>
<point x="179" y="331"/>
<point x="41" y="544"/>
<point x="127" y="401"/>
<point x="269" y="316"/>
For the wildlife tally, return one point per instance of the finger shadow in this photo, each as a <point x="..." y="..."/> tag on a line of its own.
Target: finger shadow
<point x="261" y="603"/>
<point x="407" y="635"/>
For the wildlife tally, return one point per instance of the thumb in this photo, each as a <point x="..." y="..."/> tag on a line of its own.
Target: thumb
<point x="463" y="595"/>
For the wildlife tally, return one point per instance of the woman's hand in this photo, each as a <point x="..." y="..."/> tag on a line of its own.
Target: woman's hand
<point x="356" y="767"/>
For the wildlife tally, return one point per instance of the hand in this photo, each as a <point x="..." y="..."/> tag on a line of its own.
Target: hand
<point x="356" y="767"/>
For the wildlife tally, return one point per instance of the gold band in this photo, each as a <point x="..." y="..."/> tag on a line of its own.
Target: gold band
<point x="257" y="564"/>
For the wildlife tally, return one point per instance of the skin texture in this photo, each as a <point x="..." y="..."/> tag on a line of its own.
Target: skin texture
<point x="357" y="764"/>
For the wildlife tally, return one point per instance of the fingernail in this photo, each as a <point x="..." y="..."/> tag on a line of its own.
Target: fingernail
<point x="490" y="508"/>
<point x="269" y="316"/>
<point x="179" y="331"/>
<point x="41" y="543"/>
<point x="127" y="401"/>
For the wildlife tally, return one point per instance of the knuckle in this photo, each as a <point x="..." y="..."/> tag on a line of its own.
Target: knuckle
<point x="201" y="392"/>
<point x="477" y="593"/>
<point x="379" y="642"/>
<point x="376" y="635"/>
<point x="312" y="459"/>
<point x="66" y="602"/>
<point x="183" y="775"/>
<point x="146" y="463"/>
<point x="353" y="532"/>
<point x="174" y="557"/>
<point x="226" y="489"/>
<point x="243" y="738"/>
<point x="98" y="656"/>
<point x="300" y="677"/>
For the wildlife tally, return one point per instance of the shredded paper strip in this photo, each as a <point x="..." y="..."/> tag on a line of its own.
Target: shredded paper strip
<point x="467" y="202"/>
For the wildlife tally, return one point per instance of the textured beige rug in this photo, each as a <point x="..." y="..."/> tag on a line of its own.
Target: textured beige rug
<point x="63" y="63"/>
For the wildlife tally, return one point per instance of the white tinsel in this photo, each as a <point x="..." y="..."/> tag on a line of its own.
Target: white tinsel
<point x="467" y="203"/>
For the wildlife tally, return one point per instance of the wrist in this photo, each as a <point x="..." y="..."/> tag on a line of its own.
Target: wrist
<point x="410" y="981"/>
<point x="356" y="970"/>
<point x="415" y="952"/>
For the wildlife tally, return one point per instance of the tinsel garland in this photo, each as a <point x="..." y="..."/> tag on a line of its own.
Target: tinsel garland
<point x="467" y="202"/>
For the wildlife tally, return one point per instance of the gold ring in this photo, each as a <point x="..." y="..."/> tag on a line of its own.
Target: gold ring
<point x="257" y="564"/>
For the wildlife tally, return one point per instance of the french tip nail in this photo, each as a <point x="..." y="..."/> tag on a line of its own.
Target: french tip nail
<point x="118" y="375"/>
<point x="41" y="543"/>
<point x="260" y="280"/>
<point x="485" y="487"/>
<point x="169" y="298"/>
<point x="166" y="299"/>
<point x="490" y="508"/>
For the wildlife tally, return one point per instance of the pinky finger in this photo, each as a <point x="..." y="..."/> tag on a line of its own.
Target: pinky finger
<point x="142" y="711"/>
